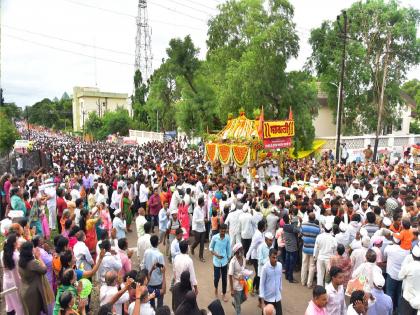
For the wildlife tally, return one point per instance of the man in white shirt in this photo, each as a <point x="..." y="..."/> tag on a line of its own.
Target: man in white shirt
<point x="246" y="227"/>
<point x="143" y="193"/>
<point x="410" y="275"/>
<point x="100" y="197"/>
<point x="110" y="262"/>
<point x="324" y="249"/>
<point x="353" y="189"/>
<point x="143" y="242"/>
<point x="336" y="300"/>
<point x="82" y="254"/>
<point x="358" y="255"/>
<point x="75" y="194"/>
<point x="109" y="290"/>
<point x="232" y="221"/>
<point x="394" y="256"/>
<point x="252" y="254"/>
<point x="140" y="222"/>
<point x="199" y="228"/>
<point x="183" y="262"/>
<point x="179" y="233"/>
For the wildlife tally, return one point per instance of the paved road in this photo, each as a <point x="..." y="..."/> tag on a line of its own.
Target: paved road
<point x="294" y="300"/>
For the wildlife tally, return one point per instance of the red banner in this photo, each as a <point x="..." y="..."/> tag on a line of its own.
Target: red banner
<point x="278" y="143"/>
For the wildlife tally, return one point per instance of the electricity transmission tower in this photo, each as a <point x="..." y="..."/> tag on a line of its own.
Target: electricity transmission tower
<point x="143" y="57"/>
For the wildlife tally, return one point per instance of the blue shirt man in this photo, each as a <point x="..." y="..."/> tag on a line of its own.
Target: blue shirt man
<point x="271" y="282"/>
<point x="220" y="249"/>
<point x="153" y="261"/>
<point x="383" y="303"/>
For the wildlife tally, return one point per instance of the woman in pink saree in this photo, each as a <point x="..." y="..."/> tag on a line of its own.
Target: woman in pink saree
<point x="184" y="219"/>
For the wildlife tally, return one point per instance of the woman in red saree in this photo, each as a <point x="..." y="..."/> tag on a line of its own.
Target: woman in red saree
<point x="184" y="219"/>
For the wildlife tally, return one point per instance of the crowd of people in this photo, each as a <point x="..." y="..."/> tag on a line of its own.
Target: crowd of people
<point x="348" y="229"/>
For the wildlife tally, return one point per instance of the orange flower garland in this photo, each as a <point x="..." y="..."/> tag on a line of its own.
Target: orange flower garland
<point x="240" y="154"/>
<point x="211" y="151"/>
<point x="224" y="153"/>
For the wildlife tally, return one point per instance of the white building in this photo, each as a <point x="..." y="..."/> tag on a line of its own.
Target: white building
<point x="90" y="99"/>
<point x="325" y="122"/>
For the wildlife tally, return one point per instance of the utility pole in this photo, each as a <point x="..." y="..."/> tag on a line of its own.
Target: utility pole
<point x="83" y="121"/>
<point x="381" y="98"/>
<point x="157" y="121"/>
<point x="27" y="120"/>
<point x="341" y="97"/>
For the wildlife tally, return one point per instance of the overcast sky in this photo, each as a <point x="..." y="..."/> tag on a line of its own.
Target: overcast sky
<point x="35" y="64"/>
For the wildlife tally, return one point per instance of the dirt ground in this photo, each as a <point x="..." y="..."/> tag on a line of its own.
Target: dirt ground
<point x="295" y="298"/>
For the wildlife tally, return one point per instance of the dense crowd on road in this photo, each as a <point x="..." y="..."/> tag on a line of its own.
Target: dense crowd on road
<point x="340" y="229"/>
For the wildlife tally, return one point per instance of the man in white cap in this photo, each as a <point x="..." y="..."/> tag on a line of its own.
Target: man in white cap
<point x="353" y="189"/>
<point x="232" y="222"/>
<point x="394" y="256"/>
<point x="383" y="302"/>
<point x="410" y="275"/>
<point x="324" y="249"/>
<point x="118" y="224"/>
<point x="236" y="273"/>
<point x="341" y="236"/>
<point x="246" y="227"/>
<point x="173" y="225"/>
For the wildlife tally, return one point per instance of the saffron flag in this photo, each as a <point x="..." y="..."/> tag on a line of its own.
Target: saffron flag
<point x="261" y="124"/>
<point x="290" y="113"/>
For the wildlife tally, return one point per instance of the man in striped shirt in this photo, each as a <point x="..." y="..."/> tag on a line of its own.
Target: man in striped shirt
<point x="309" y="231"/>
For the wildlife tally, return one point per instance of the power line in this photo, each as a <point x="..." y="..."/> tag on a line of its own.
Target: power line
<point x="67" y="40"/>
<point x="187" y="6"/>
<point x="68" y="51"/>
<point x="100" y="8"/>
<point x="202" y="5"/>
<point x="176" y="11"/>
<point x="129" y="15"/>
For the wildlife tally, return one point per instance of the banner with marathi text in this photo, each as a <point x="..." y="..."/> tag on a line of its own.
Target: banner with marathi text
<point x="279" y="129"/>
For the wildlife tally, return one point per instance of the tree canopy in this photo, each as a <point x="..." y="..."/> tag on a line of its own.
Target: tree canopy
<point x="8" y="133"/>
<point x="55" y="114"/>
<point x="115" y="122"/>
<point x="373" y="24"/>
<point x="412" y="88"/>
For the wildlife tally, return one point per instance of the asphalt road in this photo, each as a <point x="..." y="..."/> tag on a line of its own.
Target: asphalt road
<point x="295" y="297"/>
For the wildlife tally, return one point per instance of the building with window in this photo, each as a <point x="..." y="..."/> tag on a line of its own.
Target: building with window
<point x="90" y="99"/>
<point x="325" y="121"/>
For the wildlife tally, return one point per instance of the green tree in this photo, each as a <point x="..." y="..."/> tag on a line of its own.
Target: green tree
<point x="115" y="122"/>
<point x="138" y="99"/>
<point x="163" y="95"/>
<point x="381" y="35"/>
<point x="94" y="125"/>
<point x="42" y="113"/>
<point x="250" y="42"/>
<point x="196" y="111"/>
<point x="183" y="59"/>
<point x="8" y="133"/>
<point x="55" y="114"/>
<point x="11" y="110"/>
<point x="118" y="121"/>
<point x="412" y="88"/>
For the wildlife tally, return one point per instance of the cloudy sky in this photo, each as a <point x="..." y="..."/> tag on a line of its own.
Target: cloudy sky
<point x="49" y="46"/>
